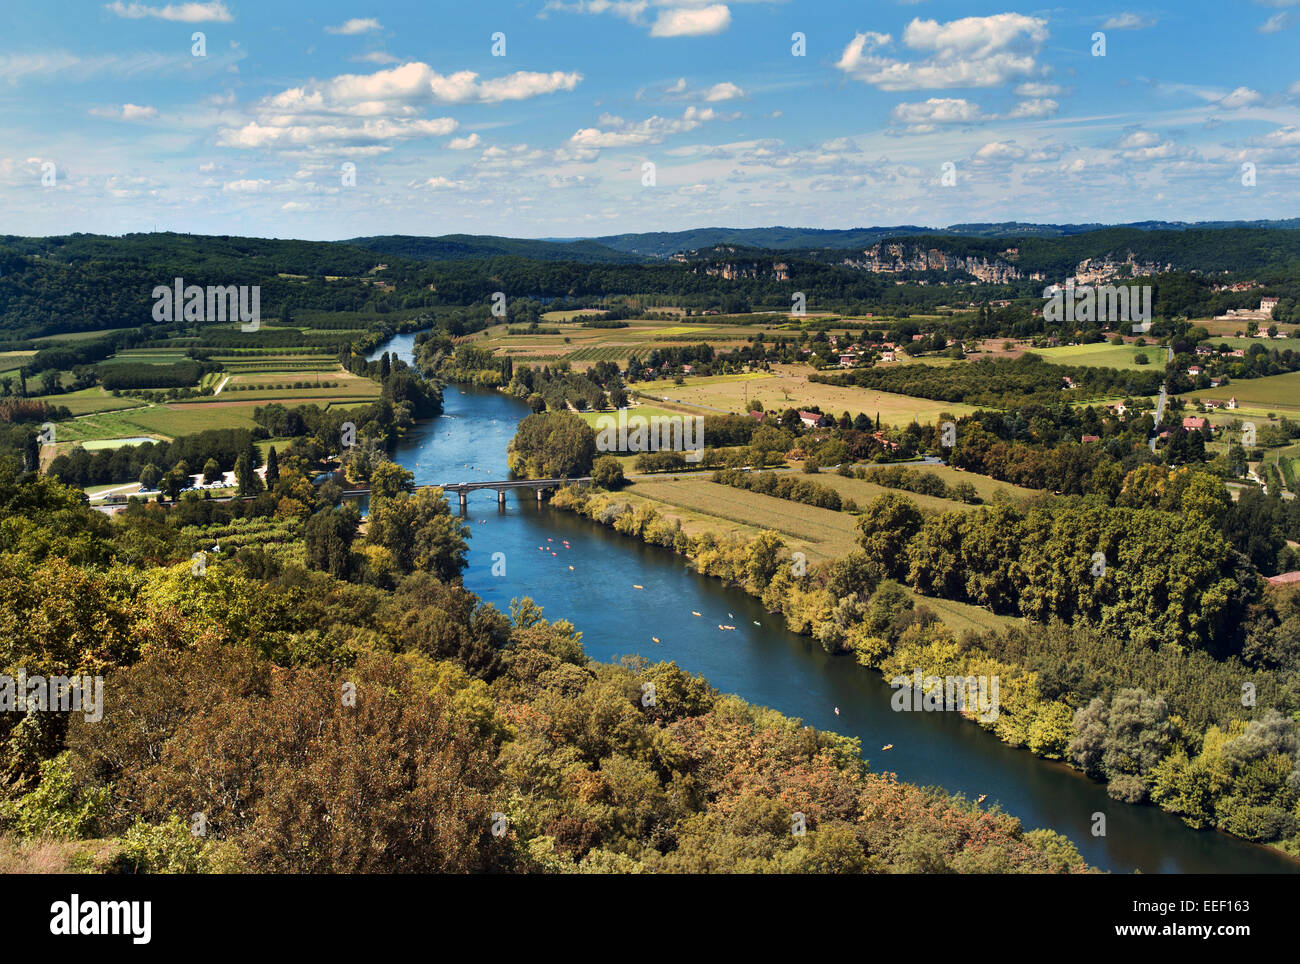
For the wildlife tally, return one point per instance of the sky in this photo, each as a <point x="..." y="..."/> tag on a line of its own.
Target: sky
<point x="577" y="118"/>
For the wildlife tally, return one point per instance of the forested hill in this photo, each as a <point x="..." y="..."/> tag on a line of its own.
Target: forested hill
<point x="460" y="247"/>
<point x="664" y="243"/>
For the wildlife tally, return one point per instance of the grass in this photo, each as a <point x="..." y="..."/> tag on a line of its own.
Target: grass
<point x="828" y="533"/>
<point x="788" y="387"/>
<point x="88" y="401"/>
<point x="863" y="492"/>
<point x="1273" y="393"/>
<point x="1103" y="356"/>
<point x="11" y="361"/>
<point x="158" y="420"/>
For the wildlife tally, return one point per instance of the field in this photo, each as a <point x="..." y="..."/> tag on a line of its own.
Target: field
<point x="863" y="492"/>
<point x="162" y="421"/>
<point x="827" y="533"/>
<point x="1255" y="396"/>
<point x="88" y="401"/>
<point x="788" y="387"/>
<point x="1102" y="356"/>
<point x="11" y="361"/>
<point x="821" y="533"/>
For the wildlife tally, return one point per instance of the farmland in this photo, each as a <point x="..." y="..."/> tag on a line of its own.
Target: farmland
<point x="788" y="387"/>
<point x="1274" y="393"/>
<point x="1102" y="356"/>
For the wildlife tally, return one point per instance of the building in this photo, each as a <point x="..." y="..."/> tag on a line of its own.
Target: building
<point x="810" y="419"/>
<point x="1195" y="423"/>
<point x="1091" y="438"/>
<point x="1232" y="402"/>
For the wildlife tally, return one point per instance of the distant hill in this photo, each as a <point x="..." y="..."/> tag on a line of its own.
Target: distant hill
<point x="661" y="244"/>
<point x="461" y="247"/>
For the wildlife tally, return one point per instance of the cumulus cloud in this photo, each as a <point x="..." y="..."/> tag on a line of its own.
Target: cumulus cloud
<point x="1241" y="97"/>
<point x="355" y="26"/>
<point x="377" y="132"/>
<point x="722" y="91"/>
<point x="692" y="21"/>
<point x="464" y="143"/>
<point x="621" y="133"/>
<point x="923" y="117"/>
<point x="214" y="12"/>
<point x="1032" y="89"/>
<point x="971" y="52"/>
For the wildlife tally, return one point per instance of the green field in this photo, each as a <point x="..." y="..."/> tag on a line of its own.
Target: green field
<point x="1103" y="356"/>
<point x="87" y="401"/>
<point x="1274" y="393"/>
<point x="11" y="361"/>
<point x="159" y="420"/>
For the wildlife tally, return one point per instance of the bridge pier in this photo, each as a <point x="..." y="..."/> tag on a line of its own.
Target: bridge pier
<point x="501" y="498"/>
<point x="464" y="500"/>
<point x="539" y="495"/>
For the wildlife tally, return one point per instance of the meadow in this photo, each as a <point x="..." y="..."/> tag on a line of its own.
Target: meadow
<point x="788" y="387"/>
<point x="1273" y="393"/>
<point x="1102" y="356"/>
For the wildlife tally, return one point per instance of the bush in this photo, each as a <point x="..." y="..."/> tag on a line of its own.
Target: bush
<point x="607" y="472"/>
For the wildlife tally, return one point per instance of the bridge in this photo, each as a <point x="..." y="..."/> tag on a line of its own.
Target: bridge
<point x="501" y="487"/>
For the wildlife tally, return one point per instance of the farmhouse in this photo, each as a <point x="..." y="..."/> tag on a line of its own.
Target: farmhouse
<point x="1191" y="422"/>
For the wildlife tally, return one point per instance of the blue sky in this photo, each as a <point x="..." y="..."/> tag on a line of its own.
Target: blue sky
<point x="553" y="138"/>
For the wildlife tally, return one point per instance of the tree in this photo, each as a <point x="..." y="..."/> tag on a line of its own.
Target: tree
<point x="389" y="480"/>
<point x="886" y="526"/>
<point x="273" y="463"/>
<point x="552" y="445"/>
<point x="212" y="471"/>
<point x="246" y="479"/>
<point x="328" y="536"/>
<point x="607" y="472"/>
<point x="149" y="476"/>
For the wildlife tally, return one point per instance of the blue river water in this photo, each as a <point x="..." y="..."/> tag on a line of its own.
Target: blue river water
<point x="586" y="573"/>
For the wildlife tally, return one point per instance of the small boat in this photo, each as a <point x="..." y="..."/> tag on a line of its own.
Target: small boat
<point x="635" y="586"/>
<point x="981" y="798"/>
<point x="655" y="638"/>
<point x="731" y="615"/>
<point x="837" y="711"/>
<point x="694" y="613"/>
<point x="554" y="553"/>
<point x="570" y="569"/>
<point x="757" y="623"/>
<point x="887" y="746"/>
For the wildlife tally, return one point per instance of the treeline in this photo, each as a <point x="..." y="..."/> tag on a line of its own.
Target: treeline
<point x="129" y="375"/>
<point x="786" y="486"/>
<point x="81" y="467"/>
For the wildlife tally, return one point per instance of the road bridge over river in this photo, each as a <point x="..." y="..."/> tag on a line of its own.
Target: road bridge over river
<point x="501" y="487"/>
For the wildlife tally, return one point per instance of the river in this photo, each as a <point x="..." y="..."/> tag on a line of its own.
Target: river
<point x="591" y="583"/>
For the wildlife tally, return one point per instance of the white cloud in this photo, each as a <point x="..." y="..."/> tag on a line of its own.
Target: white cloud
<point x="654" y="130"/>
<point x="1276" y="23"/>
<point x="247" y="186"/>
<point x="377" y="132"/>
<point x="723" y="91"/>
<point x="1038" y="107"/>
<point x="464" y="143"/>
<point x="925" y="116"/>
<point x="692" y="21"/>
<point x="355" y="26"/>
<point x="128" y="112"/>
<point x="375" y="57"/>
<point x="464" y="86"/>
<point x="1241" y="97"/>
<point x="1128" y="21"/>
<point x="629" y="10"/>
<point x="1037" y="90"/>
<point x="214" y="12"/>
<point x="971" y="52"/>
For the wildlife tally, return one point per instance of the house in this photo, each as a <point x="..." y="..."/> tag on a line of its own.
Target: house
<point x="1194" y="371"/>
<point x="1238" y="353"/>
<point x="687" y="369"/>
<point x="1069" y="382"/>
<point x="1211" y="406"/>
<point x="846" y="361"/>
<point x="1266" y="305"/>
<point x="757" y="416"/>
<point x="1284" y="578"/>
<point x="886" y="356"/>
<point x="1195" y="423"/>
<point x="1232" y="402"/>
<point x="810" y="419"/>
<point x="1091" y="438"/>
